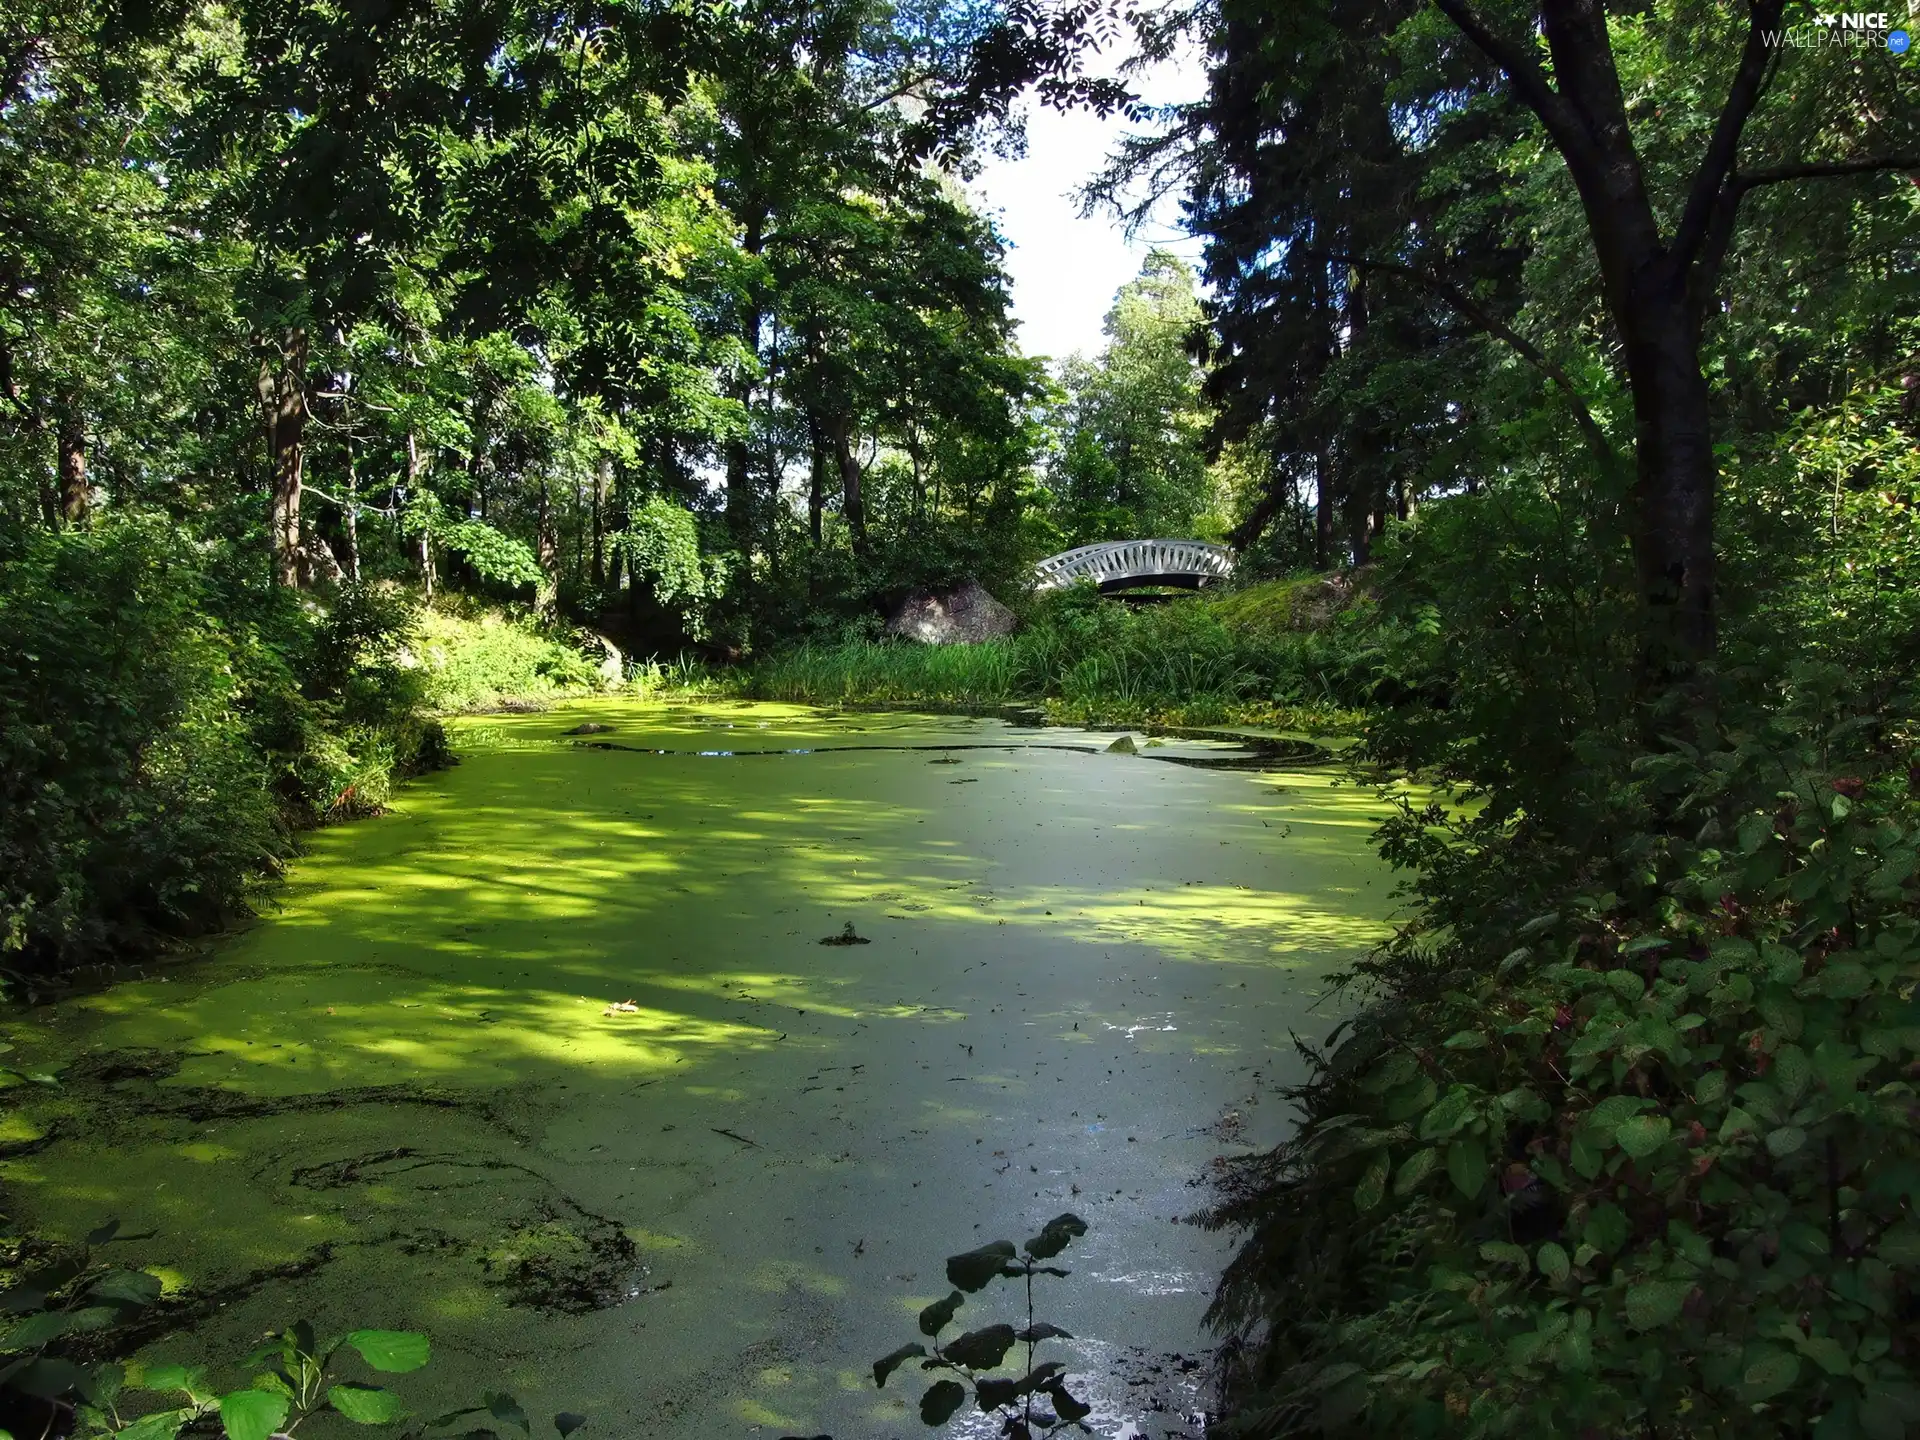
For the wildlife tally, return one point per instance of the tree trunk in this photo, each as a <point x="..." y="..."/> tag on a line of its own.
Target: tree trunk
<point x="71" y="438"/>
<point x="283" y="405"/>
<point x="739" y="497"/>
<point x="1323" y="510"/>
<point x="817" y="480"/>
<point x="546" y="549"/>
<point x="1674" y="478"/>
<point x="852" y="505"/>
<point x="353" y="516"/>
<point x="415" y="467"/>
<point x="602" y="486"/>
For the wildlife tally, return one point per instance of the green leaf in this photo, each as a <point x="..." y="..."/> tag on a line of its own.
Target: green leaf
<point x="1414" y="1171"/>
<point x="1828" y="1353"/>
<point x="1467" y="1040"/>
<point x="1504" y="1252"/>
<point x="1611" y="1111"/>
<point x="126" y="1287"/>
<point x="1770" y="1372"/>
<point x="940" y="1401"/>
<point x="1653" y="1303"/>
<point x="1643" y="1135"/>
<point x="252" y="1414"/>
<point x="1041" y="1330"/>
<point x="1785" y="1141"/>
<point x="1553" y="1263"/>
<point x="1607" y="1228"/>
<point x="1900" y="1245"/>
<point x="980" y="1349"/>
<point x="1448" y="1115"/>
<point x="1372" y="1188"/>
<point x="1068" y="1407"/>
<point x="1055" y="1236"/>
<point x="366" y="1404"/>
<point x="1784" y="966"/>
<point x="937" y="1316"/>
<point x="1467" y="1165"/>
<point x="168" y="1377"/>
<point x="394" y="1351"/>
<point x="161" y="1425"/>
<point x="976" y="1268"/>
<point x="887" y="1364"/>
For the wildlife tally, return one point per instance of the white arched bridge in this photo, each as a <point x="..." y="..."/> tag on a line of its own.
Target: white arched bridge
<point x="1133" y="564"/>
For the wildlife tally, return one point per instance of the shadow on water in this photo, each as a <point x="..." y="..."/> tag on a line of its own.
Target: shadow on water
<point x="549" y="1061"/>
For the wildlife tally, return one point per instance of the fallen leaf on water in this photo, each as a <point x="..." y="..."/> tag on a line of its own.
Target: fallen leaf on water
<point x="621" y="1007"/>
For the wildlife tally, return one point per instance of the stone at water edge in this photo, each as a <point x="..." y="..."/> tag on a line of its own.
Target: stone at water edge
<point x="1123" y="746"/>
<point x="962" y="615"/>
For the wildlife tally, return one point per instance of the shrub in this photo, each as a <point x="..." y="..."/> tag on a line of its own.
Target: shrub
<point x="131" y="801"/>
<point x="157" y="750"/>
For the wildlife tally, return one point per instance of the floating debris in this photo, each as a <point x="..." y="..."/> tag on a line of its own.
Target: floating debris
<point x="845" y="937"/>
<point x="621" y="1007"/>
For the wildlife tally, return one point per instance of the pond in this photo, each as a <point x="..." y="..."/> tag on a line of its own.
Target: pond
<point x="551" y="1061"/>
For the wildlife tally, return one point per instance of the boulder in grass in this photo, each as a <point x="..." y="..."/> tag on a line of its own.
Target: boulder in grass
<point x="962" y="615"/>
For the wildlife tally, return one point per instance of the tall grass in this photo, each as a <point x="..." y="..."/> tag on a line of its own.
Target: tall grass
<point x="1091" y="661"/>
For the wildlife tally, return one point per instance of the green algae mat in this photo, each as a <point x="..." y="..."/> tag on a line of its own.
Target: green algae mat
<point x="552" y="1061"/>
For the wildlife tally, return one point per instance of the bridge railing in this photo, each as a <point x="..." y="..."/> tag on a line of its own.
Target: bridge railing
<point x="1113" y="563"/>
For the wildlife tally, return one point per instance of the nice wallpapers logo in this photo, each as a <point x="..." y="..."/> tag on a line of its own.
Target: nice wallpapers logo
<point x="1849" y="29"/>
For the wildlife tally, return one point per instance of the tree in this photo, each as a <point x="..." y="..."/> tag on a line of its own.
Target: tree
<point x="1132" y="460"/>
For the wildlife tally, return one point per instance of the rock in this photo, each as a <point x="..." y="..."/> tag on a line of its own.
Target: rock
<point x="1123" y="746"/>
<point x="591" y="727"/>
<point x="963" y="615"/>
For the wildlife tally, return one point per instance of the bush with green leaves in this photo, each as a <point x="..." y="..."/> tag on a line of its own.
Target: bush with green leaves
<point x="1035" y="1402"/>
<point x="165" y="727"/>
<point x="132" y="799"/>
<point x="1624" y="1142"/>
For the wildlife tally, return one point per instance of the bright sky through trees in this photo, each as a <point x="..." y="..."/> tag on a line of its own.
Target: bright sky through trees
<point x="1066" y="268"/>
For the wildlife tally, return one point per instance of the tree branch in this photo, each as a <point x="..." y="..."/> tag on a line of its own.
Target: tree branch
<point x="1485" y="320"/>
<point x="1528" y="79"/>
<point x="1744" y="181"/>
<point x="1723" y="150"/>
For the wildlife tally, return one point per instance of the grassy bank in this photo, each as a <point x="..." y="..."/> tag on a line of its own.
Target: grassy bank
<point x="1270" y="655"/>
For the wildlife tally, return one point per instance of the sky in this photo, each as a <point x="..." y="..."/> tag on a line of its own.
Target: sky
<point x="1065" y="269"/>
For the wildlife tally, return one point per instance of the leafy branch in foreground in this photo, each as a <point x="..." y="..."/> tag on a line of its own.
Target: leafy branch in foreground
<point x="1038" y="1402"/>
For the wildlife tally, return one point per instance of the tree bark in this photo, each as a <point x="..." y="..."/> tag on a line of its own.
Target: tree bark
<point x="415" y="467"/>
<point x="283" y="406"/>
<point x="739" y="494"/>
<point x="71" y="440"/>
<point x="852" y="504"/>
<point x="817" y="479"/>
<point x="1323" y="510"/>
<point x="546" y="549"/>
<point x="602" y="485"/>
<point x="352" y="516"/>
